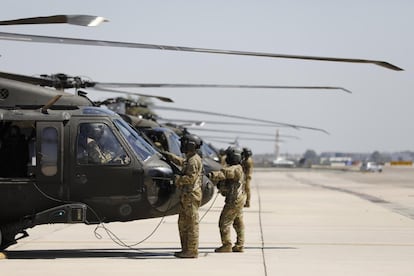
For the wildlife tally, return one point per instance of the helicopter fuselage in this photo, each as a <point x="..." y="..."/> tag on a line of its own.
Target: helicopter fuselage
<point x="46" y="175"/>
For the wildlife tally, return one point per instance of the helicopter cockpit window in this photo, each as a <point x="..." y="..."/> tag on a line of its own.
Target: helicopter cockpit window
<point x="49" y="150"/>
<point x="208" y="151"/>
<point x="138" y="144"/>
<point x="96" y="144"/>
<point x="174" y="141"/>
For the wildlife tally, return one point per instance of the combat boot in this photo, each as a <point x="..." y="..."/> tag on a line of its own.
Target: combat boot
<point x="223" y="249"/>
<point x="237" y="248"/>
<point x="186" y="255"/>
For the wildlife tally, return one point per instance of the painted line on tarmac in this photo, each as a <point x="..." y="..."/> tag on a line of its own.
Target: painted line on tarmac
<point x="394" y="207"/>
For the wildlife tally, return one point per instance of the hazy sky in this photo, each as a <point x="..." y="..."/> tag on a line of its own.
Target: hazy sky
<point x="377" y="116"/>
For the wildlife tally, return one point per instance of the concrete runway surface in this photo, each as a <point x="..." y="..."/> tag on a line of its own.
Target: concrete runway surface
<point x="301" y="222"/>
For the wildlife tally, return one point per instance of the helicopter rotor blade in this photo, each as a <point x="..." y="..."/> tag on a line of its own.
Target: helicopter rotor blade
<point x="56" y="81"/>
<point x="201" y="123"/>
<point x="81" y="20"/>
<point x="27" y="79"/>
<point x="233" y="131"/>
<point x="161" y="98"/>
<point x="213" y="138"/>
<point x="187" y="85"/>
<point x="108" y="43"/>
<point x="214" y="122"/>
<point x="237" y="117"/>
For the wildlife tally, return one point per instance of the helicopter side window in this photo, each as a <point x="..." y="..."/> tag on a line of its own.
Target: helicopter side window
<point x="96" y="144"/>
<point x="49" y="150"/>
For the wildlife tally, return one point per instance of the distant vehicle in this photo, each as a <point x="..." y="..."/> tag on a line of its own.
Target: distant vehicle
<point x="371" y="167"/>
<point x="283" y="163"/>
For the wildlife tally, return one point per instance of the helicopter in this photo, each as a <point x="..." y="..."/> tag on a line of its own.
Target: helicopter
<point x="51" y="179"/>
<point x="46" y="174"/>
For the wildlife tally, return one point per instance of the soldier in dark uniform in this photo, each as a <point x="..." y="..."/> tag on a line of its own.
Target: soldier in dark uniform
<point x="247" y="164"/>
<point x="190" y="185"/>
<point x="230" y="182"/>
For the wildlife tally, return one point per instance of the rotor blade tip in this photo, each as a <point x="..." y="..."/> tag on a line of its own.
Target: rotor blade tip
<point x="389" y="66"/>
<point x="165" y="99"/>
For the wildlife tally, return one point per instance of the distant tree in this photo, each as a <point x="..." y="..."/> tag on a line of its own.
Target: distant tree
<point x="310" y="154"/>
<point x="376" y="156"/>
<point x="310" y="157"/>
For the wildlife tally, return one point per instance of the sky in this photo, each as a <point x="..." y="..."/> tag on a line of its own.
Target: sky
<point x="377" y="116"/>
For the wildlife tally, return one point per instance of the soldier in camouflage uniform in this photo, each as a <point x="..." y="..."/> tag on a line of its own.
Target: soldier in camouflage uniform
<point x="247" y="164"/>
<point x="190" y="185"/>
<point x="230" y="182"/>
<point x="90" y="135"/>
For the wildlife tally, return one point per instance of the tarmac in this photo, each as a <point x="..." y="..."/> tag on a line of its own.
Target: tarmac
<point x="301" y="222"/>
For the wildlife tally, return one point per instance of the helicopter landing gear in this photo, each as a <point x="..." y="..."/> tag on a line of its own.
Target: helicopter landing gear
<point x="8" y="237"/>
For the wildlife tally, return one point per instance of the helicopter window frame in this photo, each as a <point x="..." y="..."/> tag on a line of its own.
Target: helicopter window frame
<point x="142" y="148"/>
<point x="103" y="154"/>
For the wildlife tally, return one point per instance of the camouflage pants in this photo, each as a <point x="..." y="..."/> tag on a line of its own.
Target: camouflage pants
<point x="188" y="220"/>
<point x="232" y="214"/>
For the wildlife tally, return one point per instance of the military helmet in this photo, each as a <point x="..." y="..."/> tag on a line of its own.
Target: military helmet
<point x="92" y="130"/>
<point x="190" y="142"/>
<point x="233" y="155"/>
<point x="246" y="153"/>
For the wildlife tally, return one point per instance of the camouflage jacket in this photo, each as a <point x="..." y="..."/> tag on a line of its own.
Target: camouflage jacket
<point x="192" y="171"/>
<point x="230" y="182"/>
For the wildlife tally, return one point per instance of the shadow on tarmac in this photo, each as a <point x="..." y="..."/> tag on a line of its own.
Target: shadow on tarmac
<point x="142" y="253"/>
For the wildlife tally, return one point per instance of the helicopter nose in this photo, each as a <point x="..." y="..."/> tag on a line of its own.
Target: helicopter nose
<point x="160" y="187"/>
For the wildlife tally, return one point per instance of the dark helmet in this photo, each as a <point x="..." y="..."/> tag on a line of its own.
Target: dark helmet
<point x="94" y="130"/>
<point x="246" y="153"/>
<point x="233" y="155"/>
<point x="190" y="142"/>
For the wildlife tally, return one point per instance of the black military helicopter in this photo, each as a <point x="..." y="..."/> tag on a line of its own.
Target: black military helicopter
<point x="47" y="175"/>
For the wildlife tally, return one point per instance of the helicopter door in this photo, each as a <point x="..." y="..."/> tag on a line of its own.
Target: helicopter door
<point x="102" y="166"/>
<point x="49" y="158"/>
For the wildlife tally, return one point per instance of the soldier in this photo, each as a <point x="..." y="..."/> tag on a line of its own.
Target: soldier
<point x="222" y="157"/>
<point x="88" y="141"/>
<point x="247" y="164"/>
<point x="230" y="182"/>
<point x="190" y="184"/>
